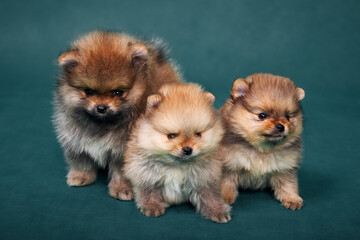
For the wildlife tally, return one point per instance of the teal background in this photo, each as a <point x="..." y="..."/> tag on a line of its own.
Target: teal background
<point x="315" y="43"/>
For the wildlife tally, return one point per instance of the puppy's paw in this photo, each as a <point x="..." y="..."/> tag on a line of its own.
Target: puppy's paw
<point x="292" y="203"/>
<point x="79" y="178"/>
<point x="221" y="217"/>
<point x="229" y="196"/>
<point x="121" y="190"/>
<point x="153" y="210"/>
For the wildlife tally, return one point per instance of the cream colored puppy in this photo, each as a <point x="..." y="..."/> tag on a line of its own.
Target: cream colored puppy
<point x="170" y="155"/>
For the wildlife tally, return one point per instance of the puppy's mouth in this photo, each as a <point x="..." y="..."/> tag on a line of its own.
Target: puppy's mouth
<point x="104" y="118"/>
<point x="184" y="159"/>
<point x="274" y="137"/>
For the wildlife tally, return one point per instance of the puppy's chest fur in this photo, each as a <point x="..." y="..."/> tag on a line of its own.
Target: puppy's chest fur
<point x="177" y="182"/>
<point x="77" y="139"/>
<point x="262" y="163"/>
<point x="176" y="185"/>
<point x="99" y="149"/>
<point x="255" y="168"/>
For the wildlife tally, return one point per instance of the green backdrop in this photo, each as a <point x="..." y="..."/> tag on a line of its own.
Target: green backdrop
<point x="315" y="43"/>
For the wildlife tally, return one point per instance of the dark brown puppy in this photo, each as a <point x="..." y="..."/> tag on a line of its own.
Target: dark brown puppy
<point x="102" y="89"/>
<point x="262" y="142"/>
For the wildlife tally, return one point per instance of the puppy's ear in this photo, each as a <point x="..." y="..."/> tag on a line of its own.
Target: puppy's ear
<point x="210" y="97"/>
<point x="68" y="60"/>
<point x="139" y="56"/>
<point x="240" y="88"/>
<point x="164" y="90"/>
<point x="300" y="93"/>
<point x="152" y="102"/>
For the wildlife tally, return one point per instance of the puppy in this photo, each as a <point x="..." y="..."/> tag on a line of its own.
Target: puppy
<point x="170" y="155"/>
<point x="262" y="142"/>
<point x="102" y="89"/>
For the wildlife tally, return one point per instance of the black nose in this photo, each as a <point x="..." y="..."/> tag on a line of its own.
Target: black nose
<point x="280" y="127"/>
<point x="101" y="108"/>
<point x="187" y="150"/>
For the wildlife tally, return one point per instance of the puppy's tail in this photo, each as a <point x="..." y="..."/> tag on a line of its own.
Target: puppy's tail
<point x="161" y="53"/>
<point x="159" y="49"/>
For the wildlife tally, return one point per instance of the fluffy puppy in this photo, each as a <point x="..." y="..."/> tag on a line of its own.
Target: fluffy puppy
<point x="102" y="89"/>
<point x="262" y="142"/>
<point x="170" y="155"/>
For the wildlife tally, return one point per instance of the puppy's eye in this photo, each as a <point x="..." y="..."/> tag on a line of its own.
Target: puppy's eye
<point x="263" y="116"/>
<point x="287" y="117"/>
<point x="198" y="134"/>
<point x="172" y="135"/>
<point x="89" y="92"/>
<point x="117" y="93"/>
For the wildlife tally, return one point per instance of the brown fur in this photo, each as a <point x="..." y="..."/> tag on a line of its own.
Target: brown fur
<point x="169" y="176"/>
<point x="119" y="72"/>
<point x="110" y="57"/>
<point x="255" y="154"/>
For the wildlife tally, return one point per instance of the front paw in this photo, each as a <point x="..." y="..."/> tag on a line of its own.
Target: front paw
<point x="121" y="190"/>
<point x="77" y="178"/>
<point x="153" y="210"/>
<point x="292" y="203"/>
<point x="221" y="217"/>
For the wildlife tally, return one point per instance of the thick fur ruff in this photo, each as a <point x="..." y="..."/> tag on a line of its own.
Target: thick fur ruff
<point x="179" y="117"/>
<point x="101" y="91"/>
<point x="254" y="152"/>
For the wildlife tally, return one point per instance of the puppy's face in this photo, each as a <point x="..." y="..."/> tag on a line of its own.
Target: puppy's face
<point x="100" y="77"/>
<point x="180" y="123"/>
<point x="266" y="110"/>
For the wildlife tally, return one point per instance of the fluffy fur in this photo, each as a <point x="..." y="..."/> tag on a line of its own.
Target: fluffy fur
<point x="102" y="89"/>
<point x="262" y="142"/>
<point x="170" y="155"/>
